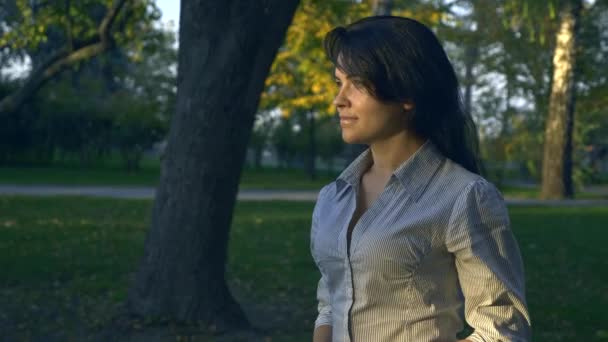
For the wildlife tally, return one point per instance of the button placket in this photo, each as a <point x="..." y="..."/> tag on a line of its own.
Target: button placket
<point x="373" y="212"/>
<point x="368" y="215"/>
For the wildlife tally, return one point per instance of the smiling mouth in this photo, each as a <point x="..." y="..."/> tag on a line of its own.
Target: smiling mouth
<point x="347" y="120"/>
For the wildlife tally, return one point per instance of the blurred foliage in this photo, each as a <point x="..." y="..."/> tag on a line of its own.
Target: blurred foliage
<point x="329" y="139"/>
<point x="55" y="36"/>
<point x="301" y="77"/>
<point x="301" y="81"/>
<point x="506" y="46"/>
<point x="113" y="102"/>
<point x="515" y="41"/>
<point x="33" y="23"/>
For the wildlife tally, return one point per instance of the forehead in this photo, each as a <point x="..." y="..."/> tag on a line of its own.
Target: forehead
<point x="339" y="73"/>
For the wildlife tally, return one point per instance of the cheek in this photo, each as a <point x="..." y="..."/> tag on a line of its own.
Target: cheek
<point x="383" y="123"/>
<point x="378" y="116"/>
<point x="393" y="115"/>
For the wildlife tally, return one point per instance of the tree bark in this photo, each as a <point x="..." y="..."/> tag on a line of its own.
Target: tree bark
<point x="69" y="55"/>
<point x="226" y="49"/>
<point x="557" y="155"/>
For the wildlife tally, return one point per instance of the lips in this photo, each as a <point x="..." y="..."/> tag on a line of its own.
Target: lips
<point x="347" y="120"/>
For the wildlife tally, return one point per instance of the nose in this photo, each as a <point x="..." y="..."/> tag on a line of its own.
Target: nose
<point x="341" y="101"/>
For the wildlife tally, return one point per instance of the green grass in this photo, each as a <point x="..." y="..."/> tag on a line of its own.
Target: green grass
<point x="270" y="178"/>
<point x="267" y="178"/>
<point x="77" y="176"/>
<point x="520" y="192"/>
<point x="111" y="173"/>
<point x="70" y="172"/>
<point x="66" y="264"/>
<point x="534" y="192"/>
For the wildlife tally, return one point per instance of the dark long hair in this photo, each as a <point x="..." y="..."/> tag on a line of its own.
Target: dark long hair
<point x="399" y="60"/>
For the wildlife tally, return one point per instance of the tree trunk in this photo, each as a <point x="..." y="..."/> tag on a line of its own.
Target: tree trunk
<point x="557" y="156"/>
<point x="226" y="49"/>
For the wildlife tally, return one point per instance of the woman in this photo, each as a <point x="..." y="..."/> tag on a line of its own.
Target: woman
<point x="410" y="240"/>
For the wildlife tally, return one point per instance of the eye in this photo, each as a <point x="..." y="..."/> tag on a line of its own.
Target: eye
<point x="359" y="84"/>
<point x="338" y="82"/>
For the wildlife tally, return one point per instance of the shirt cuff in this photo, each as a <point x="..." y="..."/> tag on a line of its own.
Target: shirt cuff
<point x="323" y="319"/>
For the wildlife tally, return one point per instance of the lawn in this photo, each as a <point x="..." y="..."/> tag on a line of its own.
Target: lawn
<point x="66" y="263"/>
<point x="266" y="178"/>
<point x="148" y="175"/>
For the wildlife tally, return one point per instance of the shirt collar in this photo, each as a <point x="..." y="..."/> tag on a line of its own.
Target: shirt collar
<point x="414" y="174"/>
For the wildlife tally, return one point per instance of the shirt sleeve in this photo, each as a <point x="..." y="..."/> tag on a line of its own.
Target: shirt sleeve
<point x="489" y="265"/>
<point x="323" y="296"/>
<point x="324" y="307"/>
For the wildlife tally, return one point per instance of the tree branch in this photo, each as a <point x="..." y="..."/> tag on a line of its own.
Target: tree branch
<point x="63" y="58"/>
<point x="107" y="22"/>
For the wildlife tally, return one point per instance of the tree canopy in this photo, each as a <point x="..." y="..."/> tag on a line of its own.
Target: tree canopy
<point x="60" y="34"/>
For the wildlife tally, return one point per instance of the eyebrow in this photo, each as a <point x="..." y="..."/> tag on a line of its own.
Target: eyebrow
<point x="349" y="77"/>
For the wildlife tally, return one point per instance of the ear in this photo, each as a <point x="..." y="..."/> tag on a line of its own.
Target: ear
<point x="408" y="106"/>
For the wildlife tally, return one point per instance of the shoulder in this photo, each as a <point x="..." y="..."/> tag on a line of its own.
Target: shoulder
<point x="455" y="178"/>
<point x="326" y="193"/>
<point x="478" y="212"/>
<point x="460" y="188"/>
<point x="477" y="199"/>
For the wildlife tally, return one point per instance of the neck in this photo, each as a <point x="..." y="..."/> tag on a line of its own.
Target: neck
<point x="390" y="153"/>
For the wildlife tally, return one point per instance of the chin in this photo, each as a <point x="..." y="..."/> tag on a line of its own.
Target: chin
<point x="352" y="139"/>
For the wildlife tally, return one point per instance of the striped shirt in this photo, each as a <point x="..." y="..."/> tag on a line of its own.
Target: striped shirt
<point x="433" y="250"/>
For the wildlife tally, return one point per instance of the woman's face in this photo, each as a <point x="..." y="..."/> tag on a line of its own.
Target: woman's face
<point x="363" y="118"/>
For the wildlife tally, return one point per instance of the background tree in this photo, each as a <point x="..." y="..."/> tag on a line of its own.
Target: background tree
<point x="513" y="86"/>
<point x="501" y="51"/>
<point x="557" y="157"/>
<point x="591" y="118"/>
<point x="263" y="128"/>
<point x="85" y="28"/>
<point x="301" y="82"/>
<point x="142" y="100"/>
<point x="330" y="141"/>
<point x="382" y="7"/>
<point x="288" y="140"/>
<point x="498" y="65"/>
<point x="120" y="101"/>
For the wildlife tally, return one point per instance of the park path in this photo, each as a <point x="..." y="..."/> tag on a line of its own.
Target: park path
<point x="132" y="192"/>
